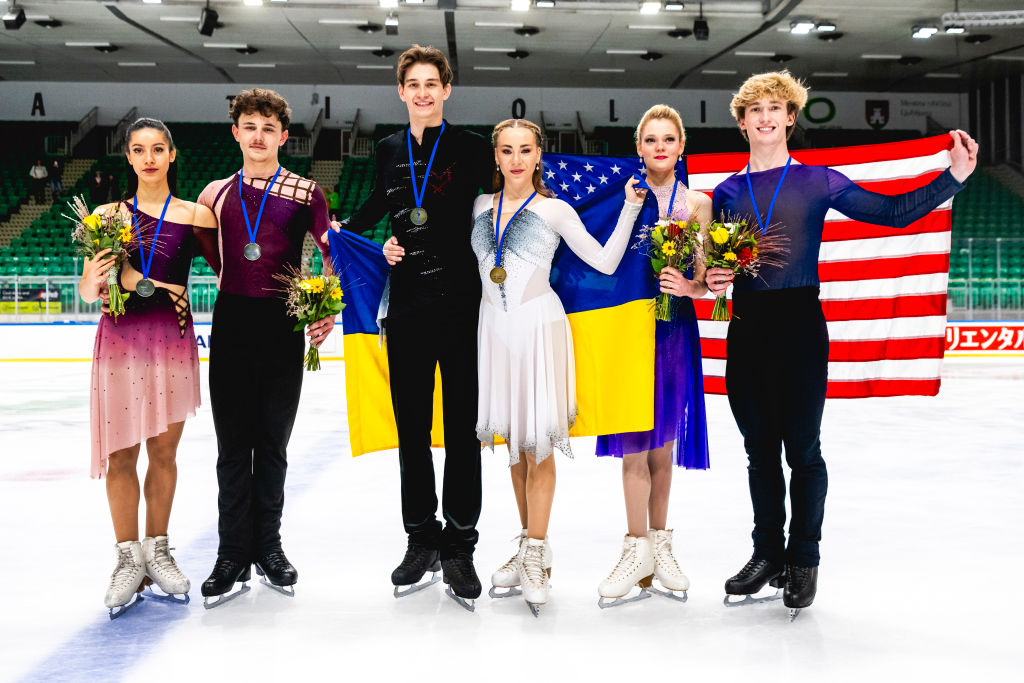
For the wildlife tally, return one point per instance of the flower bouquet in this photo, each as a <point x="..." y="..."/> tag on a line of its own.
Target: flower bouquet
<point x="92" y="234"/>
<point x="310" y="299"/>
<point x="741" y="248"/>
<point x="668" y="243"/>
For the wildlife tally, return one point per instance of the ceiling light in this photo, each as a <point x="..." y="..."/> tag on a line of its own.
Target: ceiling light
<point x="519" y="5"/>
<point x="136" y="64"/>
<point x="831" y="37"/>
<point x="923" y="32"/>
<point x="353" y="22"/>
<point x="825" y="27"/>
<point x="648" y="7"/>
<point x="107" y="49"/>
<point x="1008" y="58"/>
<point x="518" y="54"/>
<point x="545" y="4"/>
<point x="259" y="66"/>
<point x="753" y="53"/>
<point x="414" y="2"/>
<point x="383" y="53"/>
<point x="17" y="62"/>
<point x="87" y="43"/>
<point x="941" y="74"/>
<point x="673" y="7"/>
<point x="955" y="30"/>
<point x="599" y="70"/>
<point x="830" y="74"/>
<point x="527" y="31"/>
<point x="977" y="38"/>
<point x="389" y="4"/>
<point x="147" y="2"/>
<point x="361" y="47"/>
<point x="374" y="66"/>
<point x="879" y="56"/>
<point x="801" y="27"/>
<point x="492" y="68"/>
<point x="650" y="27"/>
<point x="719" y="72"/>
<point x="680" y="33"/>
<point x="49" y="23"/>
<point x="226" y="46"/>
<point x="493" y="49"/>
<point x="183" y="20"/>
<point x="651" y="56"/>
<point x="909" y="60"/>
<point x="247" y="50"/>
<point x="252" y="3"/>
<point x="781" y="59"/>
<point x="497" y="24"/>
<point x="624" y="52"/>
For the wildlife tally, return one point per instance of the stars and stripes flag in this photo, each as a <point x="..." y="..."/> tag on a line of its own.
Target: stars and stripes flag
<point x="883" y="290"/>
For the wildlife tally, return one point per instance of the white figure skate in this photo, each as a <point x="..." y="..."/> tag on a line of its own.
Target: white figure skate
<point x="164" y="572"/>
<point x="635" y="568"/>
<point x="122" y="593"/>
<point x="666" y="569"/>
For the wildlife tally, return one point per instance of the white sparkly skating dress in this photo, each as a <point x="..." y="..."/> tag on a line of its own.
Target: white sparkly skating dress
<point x="526" y="368"/>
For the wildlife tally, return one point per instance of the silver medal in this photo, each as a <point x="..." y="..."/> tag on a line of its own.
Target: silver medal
<point x="252" y="251"/>
<point x="418" y="216"/>
<point x="145" y="288"/>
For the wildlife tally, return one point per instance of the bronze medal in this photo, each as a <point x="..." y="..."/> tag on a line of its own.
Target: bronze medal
<point x="498" y="275"/>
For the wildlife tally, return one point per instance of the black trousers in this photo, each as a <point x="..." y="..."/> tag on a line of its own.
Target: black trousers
<point x="417" y="343"/>
<point x="776" y="376"/>
<point x="255" y="382"/>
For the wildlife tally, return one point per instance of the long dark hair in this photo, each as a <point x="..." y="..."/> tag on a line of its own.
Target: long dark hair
<point x="132" y="179"/>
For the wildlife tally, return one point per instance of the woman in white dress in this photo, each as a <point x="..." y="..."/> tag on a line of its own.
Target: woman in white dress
<point x="526" y="368"/>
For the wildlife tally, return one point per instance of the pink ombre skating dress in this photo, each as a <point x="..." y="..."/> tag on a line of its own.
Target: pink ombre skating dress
<point x="145" y="367"/>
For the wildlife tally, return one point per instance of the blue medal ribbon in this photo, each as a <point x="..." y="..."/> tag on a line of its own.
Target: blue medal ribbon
<point x="245" y="212"/>
<point x="497" y="224"/>
<point x="672" y="199"/>
<point x="771" y="207"/>
<point x="147" y="263"/>
<point x="419" y="193"/>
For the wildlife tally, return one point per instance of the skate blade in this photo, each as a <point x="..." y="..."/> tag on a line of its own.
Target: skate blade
<point x="534" y="608"/>
<point x="416" y="587"/>
<point x="678" y="596"/>
<point x="116" y="612"/>
<point x="751" y="600"/>
<point x="605" y="603"/>
<point x="283" y="590"/>
<point x="510" y="591"/>
<point x="175" y="598"/>
<point x="212" y="601"/>
<point x="468" y="605"/>
<point x="794" y="612"/>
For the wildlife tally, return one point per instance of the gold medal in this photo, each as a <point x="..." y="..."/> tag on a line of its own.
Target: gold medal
<point x="498" y="275"/>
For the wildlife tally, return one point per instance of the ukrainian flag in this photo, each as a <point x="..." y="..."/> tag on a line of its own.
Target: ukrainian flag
<point x="611" y="316"/>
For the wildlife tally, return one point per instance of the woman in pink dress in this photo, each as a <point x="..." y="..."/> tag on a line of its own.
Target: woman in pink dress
<point x="145" y="372"/>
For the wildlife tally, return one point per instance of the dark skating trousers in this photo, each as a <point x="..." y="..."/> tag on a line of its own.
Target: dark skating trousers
<point x="255" y="382"/>
<point x="776" y="375"/>
<point x="417" y="343"/>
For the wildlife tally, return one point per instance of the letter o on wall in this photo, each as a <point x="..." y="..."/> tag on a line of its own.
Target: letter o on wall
<point x="819" y="116"/>
<point x="519" y="108"/>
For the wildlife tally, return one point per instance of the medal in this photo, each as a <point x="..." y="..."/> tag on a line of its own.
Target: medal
<point x="419" y="214"/>
<point x="498" y="273"/>
<point x="771" y="207"/>
<point x="145" y="287"/>
<point x="252" y="250"/>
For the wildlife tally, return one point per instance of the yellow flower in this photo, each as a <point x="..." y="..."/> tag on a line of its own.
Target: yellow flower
<point x="304" y="285"/>
<point x="754" y="253"/>
<point x="668" y="249"/>
<point x="93" y="222"/>
<point x="336" y="293"/>
<point x="720" y="236"/>
<point x="729" y="256"/>
<point x="316" y="285"/>
<point x="125" y="235"/>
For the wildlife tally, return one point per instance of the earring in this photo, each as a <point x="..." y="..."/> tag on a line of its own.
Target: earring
<point x="642" y="166"/>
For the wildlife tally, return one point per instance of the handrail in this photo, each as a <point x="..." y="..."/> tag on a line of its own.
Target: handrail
<point x="314" y="132"/>
<point x="116" y="136"/>
<point x="352" y="135"/>
<point x="580" y="135"/>
<point x="85" y="126"/>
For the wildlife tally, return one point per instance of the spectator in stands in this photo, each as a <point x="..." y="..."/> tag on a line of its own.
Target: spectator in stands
<point x="97" y="189"/>
<point x="56" y="173"/>
<point x="776" y="373"/>
<point x="38" y="173"/>
<point x="333" y="199"/>
<point x="264" y="212"/>
<point x="113" y="188"/>
<point x="432" y="319"/>
<point x="145" y="378"/>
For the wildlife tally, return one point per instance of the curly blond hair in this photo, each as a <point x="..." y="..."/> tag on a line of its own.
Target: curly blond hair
<point x="780" y="85"/>
<point x="538" y="175"/>
<point x="660" y="111"/>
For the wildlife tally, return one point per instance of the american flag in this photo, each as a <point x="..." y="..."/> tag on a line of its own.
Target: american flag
<point x="883" y="289"/>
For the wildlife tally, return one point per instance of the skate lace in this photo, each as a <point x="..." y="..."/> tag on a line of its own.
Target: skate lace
<point x="511" y="564"/>
<point x="162" y="560"/>
<point x="122" y="575"/>
<point x="664" y="556"/>
<point x="625" y="565"/>
<point x="749" y="569"/>
<point x="798" y="577"/>
<point x="533" y="564"/>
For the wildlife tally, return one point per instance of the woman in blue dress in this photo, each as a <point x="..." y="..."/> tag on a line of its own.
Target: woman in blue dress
<point x="777" y="346"/>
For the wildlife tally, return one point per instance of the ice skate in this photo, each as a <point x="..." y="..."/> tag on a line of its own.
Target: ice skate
<point x="635" y="568"/>
<point x="751" y="579"/>
<point x="507" y="576"/>
<point x="534" y="574"/>
<point x="418" y="560"/>
<point x="276" y="572"/>
<point x="463" y="583"/>
<point x="163" y="571"/>
<point x="801" y="587"/>
<point x="226" y="573"/>
<point x="122" y="593"/>
<point x="674" y="583"/>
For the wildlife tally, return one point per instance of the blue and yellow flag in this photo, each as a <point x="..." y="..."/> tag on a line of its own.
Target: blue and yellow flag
<point x="610" y="315"/>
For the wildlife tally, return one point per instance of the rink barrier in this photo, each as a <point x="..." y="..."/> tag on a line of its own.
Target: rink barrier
<point x="62" y="342"/>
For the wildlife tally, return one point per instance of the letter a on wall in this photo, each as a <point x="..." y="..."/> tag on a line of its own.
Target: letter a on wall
<point x="37" y="105"/>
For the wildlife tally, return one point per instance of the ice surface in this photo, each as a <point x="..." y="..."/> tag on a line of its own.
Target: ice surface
<point x="920" y="558"/>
